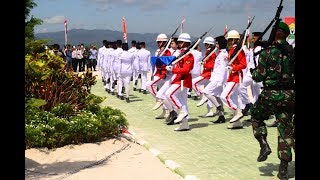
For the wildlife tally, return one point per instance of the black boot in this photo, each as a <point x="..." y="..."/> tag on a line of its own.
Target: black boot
<point x="172" y="116"/>
<point x="134" y="89"/>
<point x="136" y="82"/>
<point x="246" y="109"/>
<point x="145" y="92"/>
<point x="283" y="170"/>
<point x="127" y="100"/>
<point x="265" y="149"/>
<point x="221" y="119"/>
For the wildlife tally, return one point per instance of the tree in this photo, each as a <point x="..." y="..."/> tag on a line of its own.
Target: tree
<point x="31" y="44"/>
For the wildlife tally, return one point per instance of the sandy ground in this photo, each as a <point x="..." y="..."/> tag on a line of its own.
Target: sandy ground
<point x="113" y="159"/>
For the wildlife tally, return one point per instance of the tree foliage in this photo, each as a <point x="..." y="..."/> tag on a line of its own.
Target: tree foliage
<point x="31" y="44"/>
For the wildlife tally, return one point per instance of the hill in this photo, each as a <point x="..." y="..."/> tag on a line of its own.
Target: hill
<point x="87" y="37"/>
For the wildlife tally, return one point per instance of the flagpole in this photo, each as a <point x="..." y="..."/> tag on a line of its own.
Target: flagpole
<point x="65" y="32"/>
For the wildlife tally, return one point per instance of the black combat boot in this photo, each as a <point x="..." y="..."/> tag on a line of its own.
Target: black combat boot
<point x="172" y="116"/>
<point x="246" y="109"/>
<point x="283" y="170"/>
<point x="265" y="149"/>
<point x="221" y="118"/>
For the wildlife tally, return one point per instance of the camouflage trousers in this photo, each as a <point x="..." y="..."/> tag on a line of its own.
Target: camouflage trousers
<point x="280" y="104"/>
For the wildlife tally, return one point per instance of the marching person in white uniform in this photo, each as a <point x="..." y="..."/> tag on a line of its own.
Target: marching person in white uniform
<point x="125" y="70"/>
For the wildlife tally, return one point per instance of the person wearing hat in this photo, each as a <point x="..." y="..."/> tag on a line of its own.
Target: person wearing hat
<point x="218" y="78"/>
<point x="167" y="82"/>
<point x="204" y="77"/>
<point x="159" y="73"/>
<point x="181" y="81"/>
<point x="229" y="95"/>
<point x="275" y="71"/>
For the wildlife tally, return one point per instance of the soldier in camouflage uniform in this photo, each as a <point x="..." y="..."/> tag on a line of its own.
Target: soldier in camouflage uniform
<point x="275" y="70"/>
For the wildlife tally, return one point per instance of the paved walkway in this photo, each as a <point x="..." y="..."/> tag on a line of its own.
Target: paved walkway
<point x="207" y="151"/>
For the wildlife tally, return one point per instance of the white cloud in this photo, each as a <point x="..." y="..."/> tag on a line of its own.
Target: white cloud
<point x="54" y="20"/>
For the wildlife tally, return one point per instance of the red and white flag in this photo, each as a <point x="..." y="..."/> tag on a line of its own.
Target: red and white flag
<point x="65" y="32"/>
<point x="182" y="23"/>
<point x="124" y="28"/>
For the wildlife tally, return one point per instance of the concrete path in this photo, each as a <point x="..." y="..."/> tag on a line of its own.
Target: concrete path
<point x="207" y="151"/>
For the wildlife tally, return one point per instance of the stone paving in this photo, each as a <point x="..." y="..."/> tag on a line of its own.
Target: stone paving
<point x="207" y="151"/>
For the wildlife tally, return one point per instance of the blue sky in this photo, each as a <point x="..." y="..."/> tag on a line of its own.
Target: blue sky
<point x="158" y="16"/>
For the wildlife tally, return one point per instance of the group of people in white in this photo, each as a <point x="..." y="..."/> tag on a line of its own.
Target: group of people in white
<point x="118" y="65"/>
<point x="215" y="78"/>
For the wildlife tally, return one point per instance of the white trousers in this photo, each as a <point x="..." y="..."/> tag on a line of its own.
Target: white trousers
<point x="144" y="80"/>
<point x="177" y="98"/>
<point x="153" y="84"/>
<point x="229" y="95"/>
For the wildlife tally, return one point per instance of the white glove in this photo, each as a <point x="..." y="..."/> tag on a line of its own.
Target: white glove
<point x="169" y="68"/>
<point x="229" y="68"/>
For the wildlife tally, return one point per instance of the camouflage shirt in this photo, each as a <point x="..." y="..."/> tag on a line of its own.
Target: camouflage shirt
<point x="275" y="68"/>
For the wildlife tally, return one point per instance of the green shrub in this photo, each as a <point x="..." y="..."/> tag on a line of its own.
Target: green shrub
<point x="45" y="129"/>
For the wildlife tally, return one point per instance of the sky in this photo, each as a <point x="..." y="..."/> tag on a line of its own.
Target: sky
<point x="159" y="16"/>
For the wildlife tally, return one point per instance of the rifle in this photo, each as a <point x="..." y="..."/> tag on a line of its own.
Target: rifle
<point x="166" y="45"/>
<point x="189" y="49"/>
<point x="265" y="44"/>
<point x="240" y="44"/>
<point x="211" y="51"/>
<point x="274" y="28"/>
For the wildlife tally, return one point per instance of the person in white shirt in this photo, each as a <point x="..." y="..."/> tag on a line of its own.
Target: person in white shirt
<point x="162" y="98"/>
<point x="115" y="64"/>
<point x="106" y="67"/>
<point x="255" y="87"/>
<point x="197" y="54"/>
<point x="93" y="58"/>
<point x="100" y="60"/>
<point x="218" y="78"/>
<point x="135" y="67"/>
<point x="143" y="55"/>
<point x="125" y="71"/>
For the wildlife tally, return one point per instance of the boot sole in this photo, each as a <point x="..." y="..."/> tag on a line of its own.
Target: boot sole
<point x="264" y="157"/>
<point x="235" y="127"/>
<point x="182" y="129"/>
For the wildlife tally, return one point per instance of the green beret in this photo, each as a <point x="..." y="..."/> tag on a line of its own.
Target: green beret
<point x="284" y="28"/>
